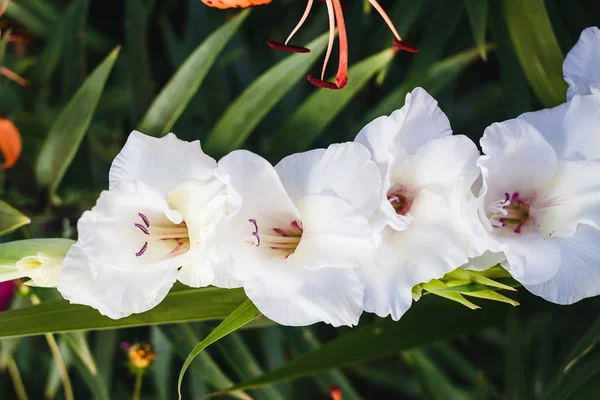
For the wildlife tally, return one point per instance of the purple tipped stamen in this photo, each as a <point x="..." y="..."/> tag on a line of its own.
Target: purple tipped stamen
<point x="142" y="228"/>
<point x="142" y="250"/>
<point x="145" y="219"/>
<point x="255" y="233"/>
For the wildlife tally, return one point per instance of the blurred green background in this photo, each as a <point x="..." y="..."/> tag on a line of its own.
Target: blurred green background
<point x="485" y="61"/>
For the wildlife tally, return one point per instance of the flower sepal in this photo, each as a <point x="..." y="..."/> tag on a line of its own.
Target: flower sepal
<point x="460" y="282"/>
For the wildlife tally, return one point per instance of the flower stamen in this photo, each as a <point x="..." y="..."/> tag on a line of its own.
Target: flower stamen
<point x="387" y="19"/>
<point x="336" y="16"/>
<point x="177" y="233"/>
<point x="511" y="212"/>
<point x="142" y="250"/>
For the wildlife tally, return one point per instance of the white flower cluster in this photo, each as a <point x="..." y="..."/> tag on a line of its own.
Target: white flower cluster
<point x="328" y="233"/>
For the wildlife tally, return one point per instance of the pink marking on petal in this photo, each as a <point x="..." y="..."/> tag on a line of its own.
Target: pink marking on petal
<point x="280" y="231"/>
<point x="297" y="225"/>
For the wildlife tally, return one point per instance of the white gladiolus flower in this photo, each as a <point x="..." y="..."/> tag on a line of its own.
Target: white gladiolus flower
<point x="153" y="226"/>
<point x="425" y="199"/>
<point x="541" y="198"/>
<point x="580" y="68"/>
<point x="297" y="232"/>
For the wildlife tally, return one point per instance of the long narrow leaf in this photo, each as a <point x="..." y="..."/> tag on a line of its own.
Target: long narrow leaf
<point x="178" y="306"/>
<point x="11" y="219"/>
<point x="70" y="127"/>
<point x="537" y="49"/>
<point x="168" y="106"/>
<point x="245" y="313"/>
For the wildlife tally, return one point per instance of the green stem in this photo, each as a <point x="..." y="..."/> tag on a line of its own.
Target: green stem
<point x="139" y="375"/>
<point x="15" y="376"/>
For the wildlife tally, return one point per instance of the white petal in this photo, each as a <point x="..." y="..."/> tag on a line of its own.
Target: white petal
<point x="118" y="293"/>
<point x="435" y="243"/>
<point x="76" y="283"/>
<point x="387" y="284"/>
<point x="343" y="170"/>
<point x="254" y="186"/>
<point x="571" y="197"/>
<point x="199" y="273"/>
<point x="578" y="276"/>
<point x="580" y="67"/>
<point x="571" y="128"/>
<point x="329" y="295"/>
<point x="162" y="163"/>
<point x="517" y="159"/>
<point x="530" y="257"/>
<point x="485" y="261"/>
<point x="440" y="165"/>
<point x="419" y="121"/>
<point x="335" y="234"/>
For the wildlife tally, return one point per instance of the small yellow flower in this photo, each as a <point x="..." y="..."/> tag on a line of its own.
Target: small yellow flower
<point x="140" y="355"/>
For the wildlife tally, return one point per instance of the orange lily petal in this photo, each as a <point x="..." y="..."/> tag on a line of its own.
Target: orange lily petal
<point x="10" y="143"/>
<point x="234" y="3"/>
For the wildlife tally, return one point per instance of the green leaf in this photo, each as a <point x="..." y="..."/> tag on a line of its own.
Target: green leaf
<point x="161" y="367"/>
<point x="246" y="112"/>
<point x="537" y="49"/>
<point x="245" y="313"/>
<point x="311" y="119"/>
<point x="11" y="219"/>
<point x="68" y="130"/>
<point x="179" y="306"/>
<point x="304" y="340"/>
<point x="138" y="58"/>
<point x="477" y="12"/>
<point x="168" y="106"/>
<point x="240" y="359"/>
<point x="420" y="325"/>
<point x="183" y="339"/>
<point x="435" y="286"/>
<point x="435" y="383"/>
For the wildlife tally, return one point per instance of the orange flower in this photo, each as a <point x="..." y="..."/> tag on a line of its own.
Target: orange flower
<point x="10" y="143"/>
<point x="336" y="18"/>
